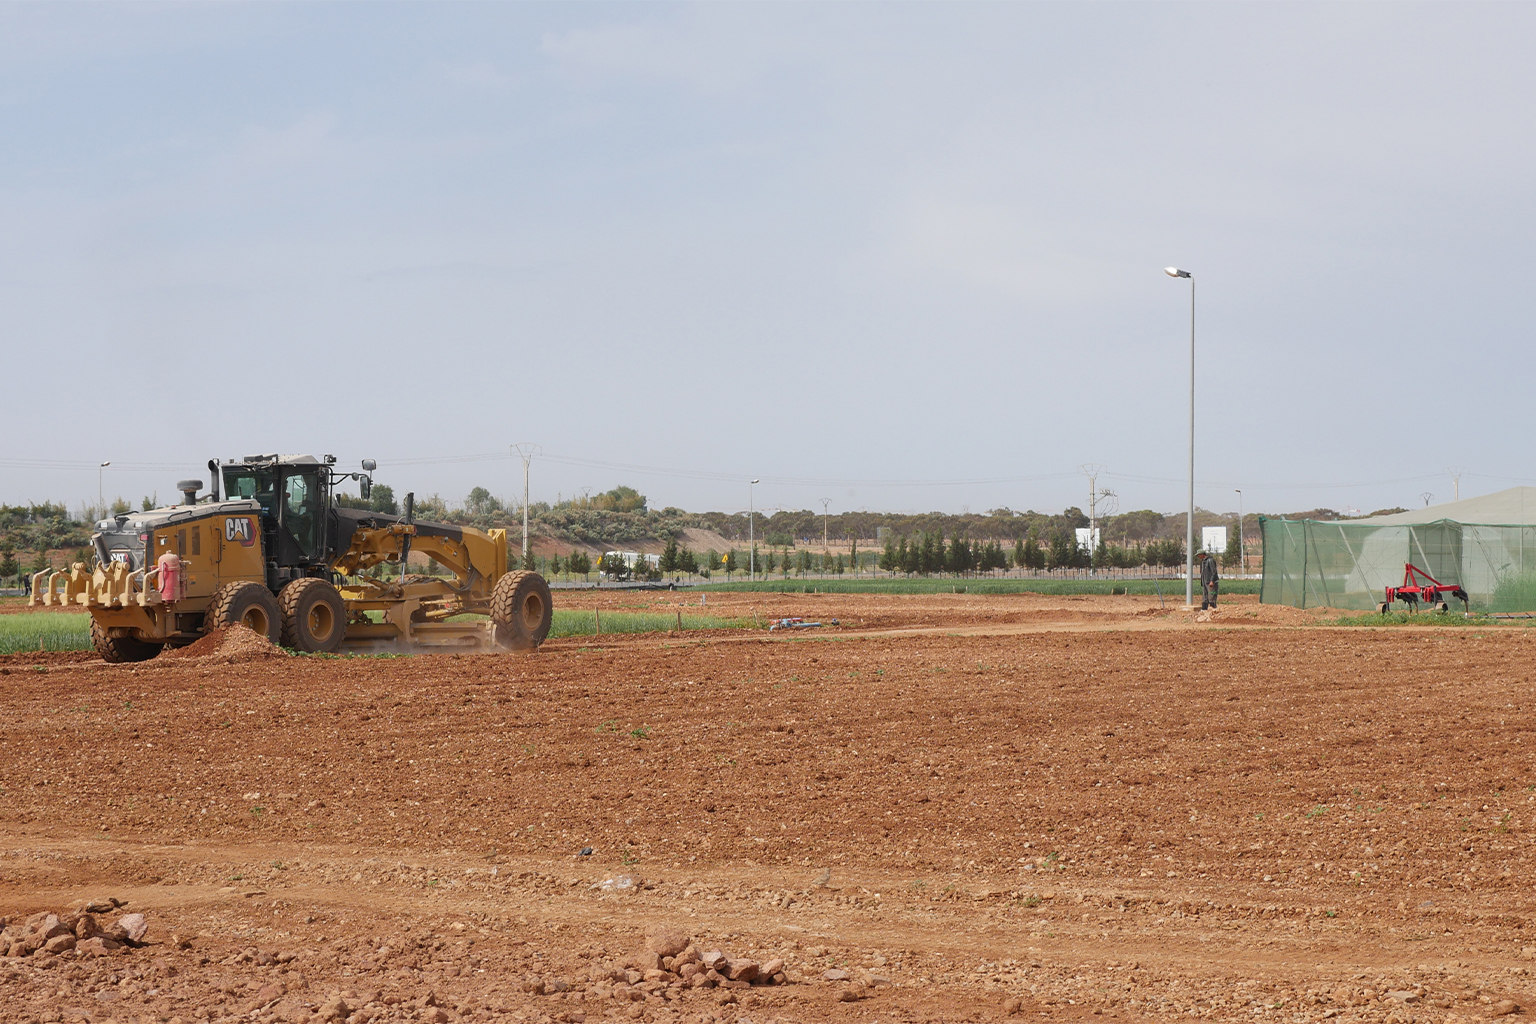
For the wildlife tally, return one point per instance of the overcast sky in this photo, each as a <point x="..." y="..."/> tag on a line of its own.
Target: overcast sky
<point x="905" y="257"/>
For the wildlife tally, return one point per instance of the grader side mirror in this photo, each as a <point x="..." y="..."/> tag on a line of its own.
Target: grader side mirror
<point x="365" y="486"/>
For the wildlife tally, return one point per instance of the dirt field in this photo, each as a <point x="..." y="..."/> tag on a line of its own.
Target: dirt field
<point x="974" y="808"/>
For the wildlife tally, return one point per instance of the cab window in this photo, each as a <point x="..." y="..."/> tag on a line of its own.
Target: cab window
<point x="251" y="483"/>
<point x="301" y="509"/>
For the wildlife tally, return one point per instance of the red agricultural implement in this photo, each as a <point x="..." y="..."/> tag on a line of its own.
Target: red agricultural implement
<point x="1419" y="585"/>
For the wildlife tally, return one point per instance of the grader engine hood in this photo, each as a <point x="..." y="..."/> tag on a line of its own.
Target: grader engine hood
<point x="128" y="548"/>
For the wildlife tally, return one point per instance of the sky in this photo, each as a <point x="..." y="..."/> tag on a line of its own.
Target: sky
<point x="902" y="257"/>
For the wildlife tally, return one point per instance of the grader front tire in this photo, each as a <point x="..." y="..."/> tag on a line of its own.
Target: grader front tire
<point x="313" y="615"/>
<point x="245" y="604"/>
<point x="521" y="610"/>
<point x="118" y="650"/>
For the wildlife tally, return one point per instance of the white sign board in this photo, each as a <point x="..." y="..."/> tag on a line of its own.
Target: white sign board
<point x="1213" y="539"/>
<point x="1085" y="542"/>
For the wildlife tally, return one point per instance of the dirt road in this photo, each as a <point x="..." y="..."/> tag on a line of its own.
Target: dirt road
<point x="1273" y="823"/>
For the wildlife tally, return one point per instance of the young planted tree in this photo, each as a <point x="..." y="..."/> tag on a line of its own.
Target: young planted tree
<point x="1063" y="550"/>
<point x="1034" y="557"/>
<point x="729" y="563"/>
<point x="930" y="555"/>
<point x="669" y="556"/>
<point x="1233" y="555"/>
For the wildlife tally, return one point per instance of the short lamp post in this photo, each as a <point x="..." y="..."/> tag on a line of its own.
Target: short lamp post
<point x="101" y="498"/>
<point x="1189" y="548"/>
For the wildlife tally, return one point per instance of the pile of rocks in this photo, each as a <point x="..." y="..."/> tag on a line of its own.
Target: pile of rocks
<point x="81" y="931"/>
<point x="669" y="966"/>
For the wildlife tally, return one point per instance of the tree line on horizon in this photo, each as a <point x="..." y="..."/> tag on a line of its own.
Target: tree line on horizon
<point x="997" y="538"/>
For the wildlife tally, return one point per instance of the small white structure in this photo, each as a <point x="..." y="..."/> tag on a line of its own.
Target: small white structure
<point x="1087" y="539"/>
<point x="1213" y="539"/>
<point x="631" y="558"/>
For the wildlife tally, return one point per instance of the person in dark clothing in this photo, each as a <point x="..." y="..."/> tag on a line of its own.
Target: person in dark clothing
<point x="1208" y="581"/>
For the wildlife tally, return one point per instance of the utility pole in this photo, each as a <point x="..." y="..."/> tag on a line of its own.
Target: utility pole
<point x="1092" y="470"/>
<point x="527" y="451"/>
<point x="1428" y="497"/>
<point x="101" y="499"/>
<point x="1095" y="496"/>
<point x="1242" y="552"/>
<point x="825" y="504"/>
<point x="1456" y="480"/>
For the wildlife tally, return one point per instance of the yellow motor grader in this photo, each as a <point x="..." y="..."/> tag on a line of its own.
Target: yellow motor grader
<point x="277" y="554"/>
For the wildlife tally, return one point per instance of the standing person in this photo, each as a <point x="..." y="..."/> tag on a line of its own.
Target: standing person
<point x="1208" y="581"/>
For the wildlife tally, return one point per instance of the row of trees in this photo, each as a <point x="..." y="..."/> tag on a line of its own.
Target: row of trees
<point x="930" y="554"/>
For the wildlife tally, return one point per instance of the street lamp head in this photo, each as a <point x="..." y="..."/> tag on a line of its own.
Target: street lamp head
<point x="754" y="481"/>
<point x="108" y="463"/>
<point x="1176" y="272"/>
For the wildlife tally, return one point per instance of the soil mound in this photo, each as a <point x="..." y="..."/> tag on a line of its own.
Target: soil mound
<point x="231" y="643"/>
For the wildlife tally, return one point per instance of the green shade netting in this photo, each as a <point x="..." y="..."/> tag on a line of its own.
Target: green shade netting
<point x="1310" y="563"/>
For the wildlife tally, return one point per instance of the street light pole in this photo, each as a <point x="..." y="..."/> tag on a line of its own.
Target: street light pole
<point x="1189" y="542"/>
<point x="101" y="499"/>
<point x="751" y="536"/>
<point x="1242" y="552"/>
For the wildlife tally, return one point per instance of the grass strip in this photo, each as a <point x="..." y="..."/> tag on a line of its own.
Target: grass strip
<point x="71" y="631"/>
<point x="1427" y="619"/>
<point x="921" y="585"/>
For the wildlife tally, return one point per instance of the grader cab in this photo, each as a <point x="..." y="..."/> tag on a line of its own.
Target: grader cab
<point x="277" y="554"/>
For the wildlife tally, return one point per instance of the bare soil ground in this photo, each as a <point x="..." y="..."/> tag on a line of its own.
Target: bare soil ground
<point x="975" y="808"/>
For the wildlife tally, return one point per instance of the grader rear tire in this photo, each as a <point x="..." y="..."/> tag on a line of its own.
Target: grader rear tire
<point x="313" y="615"/>
<point x="118" y="650"/>
<point x="521" y="610"/>
<point x="245" y="604"/>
